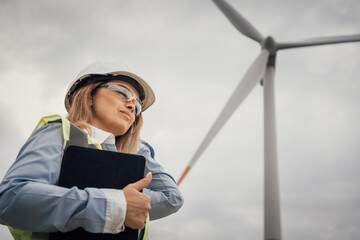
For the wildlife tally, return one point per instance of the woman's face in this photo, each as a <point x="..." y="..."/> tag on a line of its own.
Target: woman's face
<point x="110" y="112"/>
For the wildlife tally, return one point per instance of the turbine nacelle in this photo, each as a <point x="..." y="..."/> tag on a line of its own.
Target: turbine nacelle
<point x="269" y="44"/>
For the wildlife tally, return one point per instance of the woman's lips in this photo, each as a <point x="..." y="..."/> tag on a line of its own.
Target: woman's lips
<point x="126" y="113"/>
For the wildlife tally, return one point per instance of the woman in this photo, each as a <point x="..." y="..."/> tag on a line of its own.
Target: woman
<point x="105" y="102"/>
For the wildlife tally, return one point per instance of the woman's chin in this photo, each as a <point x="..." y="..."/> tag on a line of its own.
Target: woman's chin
<point x="121" y="130"/>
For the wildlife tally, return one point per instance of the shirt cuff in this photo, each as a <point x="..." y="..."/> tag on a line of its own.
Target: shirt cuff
<point x="115" y="210"/>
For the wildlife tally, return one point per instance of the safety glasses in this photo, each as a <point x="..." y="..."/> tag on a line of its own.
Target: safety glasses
<point x="124" y="93"/>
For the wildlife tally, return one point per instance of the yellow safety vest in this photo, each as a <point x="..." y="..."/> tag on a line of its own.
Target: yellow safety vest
<point x="66" y="129"/>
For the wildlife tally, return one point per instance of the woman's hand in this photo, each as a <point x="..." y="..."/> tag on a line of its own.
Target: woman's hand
<point x="138" y="204"/>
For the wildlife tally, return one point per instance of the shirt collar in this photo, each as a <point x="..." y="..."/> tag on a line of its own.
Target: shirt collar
<point x="102" y="136"/>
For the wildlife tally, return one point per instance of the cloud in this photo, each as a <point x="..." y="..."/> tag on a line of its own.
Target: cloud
<point x="10" y="140"/>
<point x="194" y="58"/>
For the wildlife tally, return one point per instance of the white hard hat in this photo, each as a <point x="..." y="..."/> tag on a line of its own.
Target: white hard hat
<point x="106" y="71"/>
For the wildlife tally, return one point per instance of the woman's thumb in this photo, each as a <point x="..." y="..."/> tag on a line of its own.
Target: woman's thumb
<point x="142" y="183"/>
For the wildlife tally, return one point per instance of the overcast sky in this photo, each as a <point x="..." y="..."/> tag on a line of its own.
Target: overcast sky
<point x="194" y="58"/>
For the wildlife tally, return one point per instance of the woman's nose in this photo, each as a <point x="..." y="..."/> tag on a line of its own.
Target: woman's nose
<point x="130" y="104"/>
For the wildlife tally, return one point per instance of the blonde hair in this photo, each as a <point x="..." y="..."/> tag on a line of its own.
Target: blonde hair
<point x="80" y="114"/>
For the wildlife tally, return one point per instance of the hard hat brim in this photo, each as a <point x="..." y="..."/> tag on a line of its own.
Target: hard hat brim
<point x="147" y="95"/>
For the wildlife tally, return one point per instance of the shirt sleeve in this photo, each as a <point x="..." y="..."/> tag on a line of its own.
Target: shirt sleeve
<point x="165" y="195"/>
<point x="31" y="201"/>
<point x="115" y="211"/>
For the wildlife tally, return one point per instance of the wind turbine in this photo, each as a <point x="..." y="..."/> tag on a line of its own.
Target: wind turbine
<point x="262" y="70"/>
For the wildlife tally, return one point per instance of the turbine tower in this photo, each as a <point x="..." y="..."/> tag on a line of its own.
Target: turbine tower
<point x="262" y="70"/>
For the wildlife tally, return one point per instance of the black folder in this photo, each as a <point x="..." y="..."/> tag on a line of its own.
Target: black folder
<point x="87" y="167"/>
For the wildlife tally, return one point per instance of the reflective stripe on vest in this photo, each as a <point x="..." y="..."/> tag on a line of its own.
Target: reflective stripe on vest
<point x="72" y="136"/>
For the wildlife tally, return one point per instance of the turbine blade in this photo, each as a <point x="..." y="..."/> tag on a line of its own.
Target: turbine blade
<point x="320" y="41"/>
<point x="251" y="78"/>
<point x="272" y="220"/>
<point x="239" y="22"/>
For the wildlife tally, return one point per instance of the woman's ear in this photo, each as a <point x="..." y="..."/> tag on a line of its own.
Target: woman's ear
<point x="92" y="97"/>
<point x="91" y="100"/>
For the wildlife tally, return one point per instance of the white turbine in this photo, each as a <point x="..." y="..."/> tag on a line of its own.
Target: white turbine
<point x="263" y="70"/>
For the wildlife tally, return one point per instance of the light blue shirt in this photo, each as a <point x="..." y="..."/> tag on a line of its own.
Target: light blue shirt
<point x="31" y="201"/>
